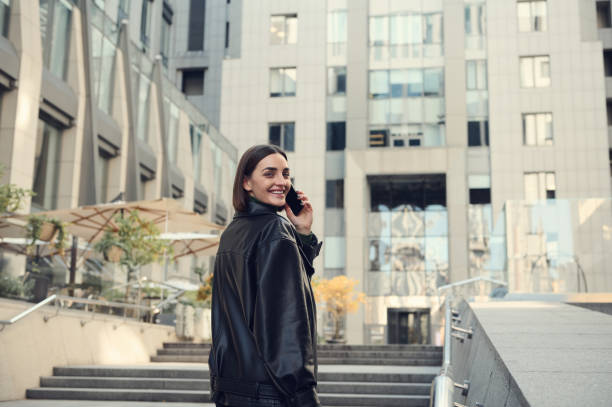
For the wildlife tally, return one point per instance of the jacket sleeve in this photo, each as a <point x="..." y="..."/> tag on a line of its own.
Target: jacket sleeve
<point x="284" y="321"/>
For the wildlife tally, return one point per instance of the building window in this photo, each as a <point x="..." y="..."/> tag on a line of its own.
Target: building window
<point x="195" y="135"/>
<point x="283" y="29"/>
<point x="336" y="33"/>
<point x="227" y="34"/>
<point x="336" y="136"/>
<point x="607" y="62"/>
<point x="103" y="52"/>
<point x="335" y="252"/>
<point x="535" y="71"/>
<point x="5" y="13"/>
<point x="609" y="110"/>
<point x="475" y="25"/>
<point x="217" y="161"/>
<point x="532" y="15"/>
<point x="478" y="133"/>
<point x="334" y="193"/>
<point x="282" y="135"/>
<point x="104" y="160"/>
<point x="46" y="165"/>
<point x="336" y="80"/>
<point x="537" y="129"/>
<point x="142" y="120"/>
<point x="476" y="74"/>
<point x="603" y="14"/>
<point x="282" y="82"/>
<point x="166" y="30"/>
<point x="480" y="189"/>
<point x="123" y="10"/>
<point x="193" y="81"/>
<point x="172" y="131"/>
<point x="55" y="27"/>
<point x="406" y="107"/>
<point x="197" y="18"/>
<point x="540" y="186"/>
<point x="145" y="22"/>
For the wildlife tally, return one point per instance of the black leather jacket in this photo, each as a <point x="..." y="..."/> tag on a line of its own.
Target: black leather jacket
<point x="263" y="313"/>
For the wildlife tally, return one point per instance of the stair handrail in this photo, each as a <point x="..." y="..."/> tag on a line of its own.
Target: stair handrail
<point x="27" y="311"/>
<point x="59" y="298"/>
<point x="442" y="387"/>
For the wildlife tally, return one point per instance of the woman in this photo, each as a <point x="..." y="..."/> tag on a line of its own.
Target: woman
<point x="263" y="310"/>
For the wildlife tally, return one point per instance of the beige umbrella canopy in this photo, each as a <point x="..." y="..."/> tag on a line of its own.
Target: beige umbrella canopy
<point x="197" y="244"/>
<point x="89" y="222"/>
<point x="12" y="228"/>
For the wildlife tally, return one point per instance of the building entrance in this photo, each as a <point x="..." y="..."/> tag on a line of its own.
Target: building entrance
<point x="408" y="326"/>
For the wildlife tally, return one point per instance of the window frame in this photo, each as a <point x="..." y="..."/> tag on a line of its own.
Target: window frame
<point x="533" y="79"/>
<point x="536" y="136"/>
<point x="285" y="31"/>
<point x="282" y="73"/>
<point x="284" y="137"/>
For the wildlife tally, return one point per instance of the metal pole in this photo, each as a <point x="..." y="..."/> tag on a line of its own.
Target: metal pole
<point x="73" y="262"/>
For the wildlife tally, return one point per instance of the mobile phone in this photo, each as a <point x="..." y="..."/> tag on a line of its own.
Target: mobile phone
<point x="293" y="201"/>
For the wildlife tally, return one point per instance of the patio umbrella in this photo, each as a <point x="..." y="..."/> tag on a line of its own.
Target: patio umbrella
<point x="12" y="228"/>
<point x="89" y="222"/>
<point x="197" y="244"/>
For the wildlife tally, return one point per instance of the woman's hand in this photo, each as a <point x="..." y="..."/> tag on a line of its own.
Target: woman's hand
<point x="302" y="222"/>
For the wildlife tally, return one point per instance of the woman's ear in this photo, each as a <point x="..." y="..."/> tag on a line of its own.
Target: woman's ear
<point x="246" y="184"/>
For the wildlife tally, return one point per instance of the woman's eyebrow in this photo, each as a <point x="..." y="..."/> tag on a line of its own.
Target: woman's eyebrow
<point x="274" y="169"/>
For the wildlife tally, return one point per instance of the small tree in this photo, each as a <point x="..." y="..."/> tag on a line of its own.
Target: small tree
<point x="339" y="298"/>
<point x="139" y="241"/>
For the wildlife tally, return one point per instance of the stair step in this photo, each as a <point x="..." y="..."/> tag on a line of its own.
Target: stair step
<point x="340" y="399"/>
<point x="124" y="383"/>
<point x="75" y="382"/>
<point x="59" y="393"/>
<point x="132" y="372"/>
<point x="376" y="377"/>
<point x="323" y="347"/>
<point x="384" y="362"/>
<point x="374" y="388"/>
<point x="323" y="353"/>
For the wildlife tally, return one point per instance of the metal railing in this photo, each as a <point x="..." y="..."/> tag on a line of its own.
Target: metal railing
<point x="27" y="312"/>
<point x="443" y="386"/>
<point x="61" y="300"/>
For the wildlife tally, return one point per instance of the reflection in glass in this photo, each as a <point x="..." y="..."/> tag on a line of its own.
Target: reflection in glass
<point x="379" y="254"/>
<point x="436" y="253"/>
<point x="407" y="223"/>
<point x="408" y="254"/>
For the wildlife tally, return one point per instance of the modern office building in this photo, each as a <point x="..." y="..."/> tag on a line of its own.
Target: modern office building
<point x="90" y="112"/>
<point x="439" y="140"/>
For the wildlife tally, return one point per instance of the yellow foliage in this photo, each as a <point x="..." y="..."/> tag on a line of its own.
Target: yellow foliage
<point x="338" y="296"/>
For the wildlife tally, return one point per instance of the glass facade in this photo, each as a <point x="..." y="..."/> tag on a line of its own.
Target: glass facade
<point x="172" y="114"/>
<point x="475" y="25"/>
<point x="55" y="28"/>
<point x="406" y="35"/>
<point x="406" y="107"/>
<point x="407" y="235"/>
<point x="104" y="41"/>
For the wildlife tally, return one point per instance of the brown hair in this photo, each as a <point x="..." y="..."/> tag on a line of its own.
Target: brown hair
<point x="247" y="164"/>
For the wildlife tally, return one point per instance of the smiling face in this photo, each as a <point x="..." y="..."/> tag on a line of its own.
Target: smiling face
<point x="269" y="182"/>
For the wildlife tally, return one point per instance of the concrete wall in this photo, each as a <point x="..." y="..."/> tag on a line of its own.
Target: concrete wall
<point x="477" y="360"/>
<point x="31" y="347"/>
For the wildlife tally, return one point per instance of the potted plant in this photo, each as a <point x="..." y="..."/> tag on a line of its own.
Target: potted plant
<point x="47" y="230"/>
<point x="339" y="298"/>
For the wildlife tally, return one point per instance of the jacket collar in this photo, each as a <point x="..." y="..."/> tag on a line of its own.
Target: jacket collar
<point x="256" y="207"/>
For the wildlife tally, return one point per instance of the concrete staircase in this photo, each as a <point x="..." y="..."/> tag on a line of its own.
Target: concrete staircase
<point x="393" y="375"/>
